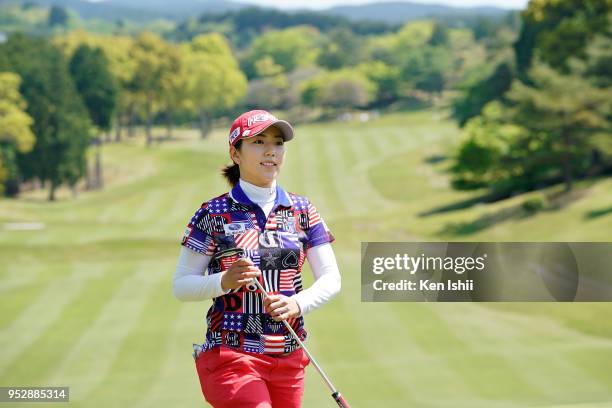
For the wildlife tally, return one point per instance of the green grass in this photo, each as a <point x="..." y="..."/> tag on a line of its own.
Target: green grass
<point x="87" y="302"/>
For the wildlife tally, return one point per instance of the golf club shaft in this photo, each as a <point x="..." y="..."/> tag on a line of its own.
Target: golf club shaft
<point x="335" y="393"/>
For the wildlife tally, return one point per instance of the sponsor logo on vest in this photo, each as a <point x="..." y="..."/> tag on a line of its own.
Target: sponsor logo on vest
<point x="234" y="228"/>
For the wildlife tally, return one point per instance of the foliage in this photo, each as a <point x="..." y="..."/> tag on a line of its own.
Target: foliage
<point x="476" y="95"/>
<point x="340" y="48"/>
<point x="95" y="84"/>
<point x="61" y="123"/>
<point x="556" y="30"/>
<point x="346" y="88"/>
<point x="289" y="49"/>
<point x="215" y="82"/>
<point x="243" y="26"/>
<point x="15" y="132"/>
<point x="58" y="16"/>
<point x="547" y="133"/>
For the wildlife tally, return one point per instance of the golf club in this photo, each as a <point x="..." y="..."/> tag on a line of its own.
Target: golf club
<point x="239" y="252"/>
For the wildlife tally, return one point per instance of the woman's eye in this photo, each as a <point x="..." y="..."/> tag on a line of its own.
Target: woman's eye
<point x="258" y="141"/>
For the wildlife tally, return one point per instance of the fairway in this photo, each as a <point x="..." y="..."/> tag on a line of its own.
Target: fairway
<point x="87" y="298"/>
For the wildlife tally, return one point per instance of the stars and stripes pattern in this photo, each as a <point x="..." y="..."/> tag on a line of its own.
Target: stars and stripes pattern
<point x="253" y="254"/>
<point x="299" y="202"/>
<point x="313" y="216"/>
<point x="213" y="339"/>
<point x="253" y="302"/>
<point x="228" y="261"/>
<point x="287" y="277"/>
<point x="290" y="344"/>
<point x="232" y="321"/>
<point x="238" y="319"/>
<point x="272" y="326"/>
<point x="218" y="205"/>
<point x="271" y="224"/>
<point x="271" y="280"/>
<point x="254" y="323"/>
<point x="273" y="343"/>
<point x="297" y="282"/>
<point x="288" y="240"/>
<point x="248" y="240"/>
<point x="215" y="320"/>
<point x="253" y="344"/>
<point x="232" y="339"/>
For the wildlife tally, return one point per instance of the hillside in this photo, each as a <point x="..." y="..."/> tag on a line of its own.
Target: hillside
<point x="398" y="12"/>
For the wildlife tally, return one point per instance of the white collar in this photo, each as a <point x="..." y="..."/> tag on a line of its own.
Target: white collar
<point x="258" y="194"/>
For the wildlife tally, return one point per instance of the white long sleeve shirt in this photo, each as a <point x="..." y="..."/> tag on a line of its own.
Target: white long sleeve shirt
<point x="190" y="283"/>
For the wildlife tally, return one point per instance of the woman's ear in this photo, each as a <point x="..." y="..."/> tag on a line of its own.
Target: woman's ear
<point x="234" y="155"/>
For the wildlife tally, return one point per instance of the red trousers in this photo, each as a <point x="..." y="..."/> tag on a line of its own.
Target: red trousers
<point x="231" y="378"/>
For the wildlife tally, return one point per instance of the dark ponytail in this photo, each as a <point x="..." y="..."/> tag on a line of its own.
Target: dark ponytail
<point x="232" y="172"/>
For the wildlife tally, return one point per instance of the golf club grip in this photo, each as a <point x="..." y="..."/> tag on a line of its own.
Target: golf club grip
<point x="340" y="400"/>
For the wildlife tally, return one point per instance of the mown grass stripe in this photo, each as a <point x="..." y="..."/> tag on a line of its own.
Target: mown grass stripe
<point x="144" y="343"/>
<point x="49" y="349"/>
<point x="176" y="382"/>
<point x="106" y="333"/>
<point x="40" y="314"/>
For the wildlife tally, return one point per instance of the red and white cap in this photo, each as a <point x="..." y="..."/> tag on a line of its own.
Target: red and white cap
<point x="254" y="122"/>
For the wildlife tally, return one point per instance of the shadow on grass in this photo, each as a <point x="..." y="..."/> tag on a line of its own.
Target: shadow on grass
<point x="435" y="159"/>
<point x="462" y="205"/>
<point x="552" y="202"/>
<point x="484" y="222"/>
<point x="598" y="213"/>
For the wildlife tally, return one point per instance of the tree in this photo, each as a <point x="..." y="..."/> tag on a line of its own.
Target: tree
<point x="58" y="16"/>
<point x="424" y="68"/>
<point x="289" y="48"/>
<point x="568" y="111"/>
<point x="152" y="66"/>
<point x="61" y="123"/>
<point x="477" y="94"/>
<point x="557" y="30"/>
<point x="15" y="132"/>
<point x="116" y="48"/>
<point x="94" y="82"/>
<point x="439" y="35"/>
<point x="175" y="86"/>
<point x="340" y="48"/>
<point x="546" y="133"/>
<point x="215" y="80"/>
<point x="96" y="86"/>
<point x="385" y="77"/>
<point x="342" y="89"/>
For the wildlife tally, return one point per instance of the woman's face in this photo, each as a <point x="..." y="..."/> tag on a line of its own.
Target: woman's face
<point x="260" y="157"/>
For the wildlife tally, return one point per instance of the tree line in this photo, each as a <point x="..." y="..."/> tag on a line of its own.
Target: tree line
<point x="533" y="102"/>
<point x="70" y="91"/>
<point x="543" y="114"/>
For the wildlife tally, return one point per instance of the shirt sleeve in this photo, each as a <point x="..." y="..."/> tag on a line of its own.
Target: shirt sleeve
<point x="327" y="279"/>
<point x="198" y="235"/>
<point x="318" y="233"/>
<point x="190" y="283"/>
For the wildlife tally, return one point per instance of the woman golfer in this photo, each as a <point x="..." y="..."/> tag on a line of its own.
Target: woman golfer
<point x="249" y="358"/>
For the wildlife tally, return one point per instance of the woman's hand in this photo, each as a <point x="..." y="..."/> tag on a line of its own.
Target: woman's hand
<point x="281" y="307"/>
<point x="240" y="273"/>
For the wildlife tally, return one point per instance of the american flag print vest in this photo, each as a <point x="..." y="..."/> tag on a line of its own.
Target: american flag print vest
<point x="276" y="244"/>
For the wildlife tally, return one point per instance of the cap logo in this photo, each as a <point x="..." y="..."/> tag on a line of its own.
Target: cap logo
<point x="260" y="117"/>
<point x="246" y="132"/>
<point x="234" y="135"/>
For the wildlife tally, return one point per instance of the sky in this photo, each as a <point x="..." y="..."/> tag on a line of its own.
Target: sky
<point x="322" y="4"/>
